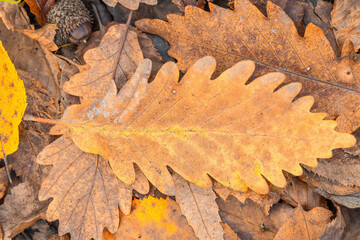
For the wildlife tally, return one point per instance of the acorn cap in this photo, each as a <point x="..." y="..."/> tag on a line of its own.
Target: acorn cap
<point x="67" y="15"/>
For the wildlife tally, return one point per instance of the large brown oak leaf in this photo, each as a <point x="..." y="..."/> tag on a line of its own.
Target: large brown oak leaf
<point x="274" y="44"/>
<point x="234" y="132"/>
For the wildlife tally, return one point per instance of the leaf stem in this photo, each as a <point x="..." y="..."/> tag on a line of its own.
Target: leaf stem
<point x="122" y="43"/>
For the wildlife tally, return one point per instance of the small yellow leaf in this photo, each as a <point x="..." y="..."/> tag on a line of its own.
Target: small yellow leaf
<point x="12" y="103"/>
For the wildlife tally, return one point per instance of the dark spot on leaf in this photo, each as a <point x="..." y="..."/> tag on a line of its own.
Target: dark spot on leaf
<point x="348" y="73"/>
<point x="5" y="68"/>
<point x="11" y="85"/>
<point x="15" y="114"/>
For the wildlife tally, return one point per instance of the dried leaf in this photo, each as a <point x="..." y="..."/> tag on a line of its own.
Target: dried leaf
<point x="45" y="36"/>
<point x="229" y="234"/>
<point x="249" y="221"/>
<point x="86" y="194"/>
<point x="274" y="44"/>
<point x="21" y="48"/>
<point x="199" y="207"/>
<point x="12" y="104"/>
<point x="264" y="201"/>
<point x="346" y="23"/>
<point x="27" y="209"/>
<point x="20" y="210"/>
<point x="14" y="16"/>
<point x="153" y="218"/>
<point x="181" y="4"/>
<point x="335" y="229"/>
<point x="167" y="123"/>
<point x="37" y="8"/>
<point x="303" y="193"/>
<point x="94" y="80"/>
<point x="4" y="182"/>
<point x="130" y="4"/>
<point x="304" y="225"/>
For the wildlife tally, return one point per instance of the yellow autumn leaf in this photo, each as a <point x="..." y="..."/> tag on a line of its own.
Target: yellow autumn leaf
<point x="12" y="103"/>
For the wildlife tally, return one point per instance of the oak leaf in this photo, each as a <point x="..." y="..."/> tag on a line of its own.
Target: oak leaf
<point x="130" y="4"/>
<point x="153" y="218"/>
<point x="248" y="219"/>
<point x="93" y="80"/>
<point x="304" y="225"/>
<point x="250" y="130"/>
<point x="274" y="44"/>
<point x="40" y="8"/>
<point x="12" y="104"/>
<point x="86" y="194"/>
<point x="199" y="207"/>
<point x="345" y="22"/>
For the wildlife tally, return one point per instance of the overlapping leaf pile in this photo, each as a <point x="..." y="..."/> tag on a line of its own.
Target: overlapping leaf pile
<point x="235" y="133"/>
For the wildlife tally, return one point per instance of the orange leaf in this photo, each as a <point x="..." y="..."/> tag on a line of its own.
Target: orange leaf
<point x="86" y="194"/>
<point x="274" y="44"/>
<point x="37" y="8"/>
<point x="199" y="207"/>
<point x="196" y="125"/>
<point x="153" y="218"/>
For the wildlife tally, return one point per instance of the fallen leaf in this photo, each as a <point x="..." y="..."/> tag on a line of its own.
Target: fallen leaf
<point x="350" y="201"/>
<point x="199" y="207"/>
<point x="12" y="104"/>
<point x="94" y="80"/>
<point x="21" y="48"/>
<point x="130" y="4"/>
<point x="40" y="8"/>
<point x="4" y="182"/>
<point x="336" y="228"/>
<point x="45" y="36"/>
<point x="27" y="209"/>
<point x="304" y="225"/>
<point x="229" y="234"/>
<point x="77" y="179"/>
<point x="346" y="23"/>
<point x="301" y="192"/>
<point x="20" y="210"/>
<point x="274" y="44"/>
<point x="153" y="218"/>
<point x="181" y="4"/>
<point x="181" y="124"/>
<point x="343" y="167"/>
<point x="13" y="16"/>
<point x="249" y="221"/>
<point x="265" y="201"/>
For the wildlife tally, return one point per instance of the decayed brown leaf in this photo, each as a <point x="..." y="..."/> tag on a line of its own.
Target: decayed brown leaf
<point x="346" y="22"/>
<point x="167" y="123"/>
<point x="249" y="221"/>
<point x="22" y="207"/>
<point x="304" y="225"/>
<point x="4" y="182"/>
<point x="45" y="36"/>
<point x="86" y="194"/>
<point x="20" y="210"/>
<point x="21" y="48"/>
<point x="274" y="44"/>
<point x="153" y="218"/>
<point x="94" y="80"/>
<point x="264" y="201"/>
<point x="199" y="207"/>
<point x="40" y="8"/>
<point x="130" y="4"/>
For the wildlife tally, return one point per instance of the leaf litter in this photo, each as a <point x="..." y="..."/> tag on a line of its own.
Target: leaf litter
<point x="78" y="219"/>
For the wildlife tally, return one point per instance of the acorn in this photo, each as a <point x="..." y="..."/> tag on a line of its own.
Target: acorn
<point x="73" y="20"/>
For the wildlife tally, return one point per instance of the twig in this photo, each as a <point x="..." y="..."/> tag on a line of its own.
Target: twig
<point x="301" y="208"/>
<point x="102" y="28"/>
<point x="5" y="161"/>
<point x="122" y="43"/>
<point x="350" y="55"/>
